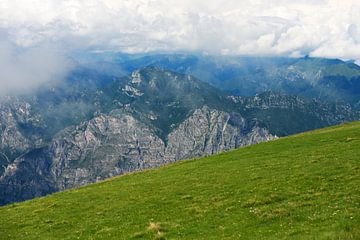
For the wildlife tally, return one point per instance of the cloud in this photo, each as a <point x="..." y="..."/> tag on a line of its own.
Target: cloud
<point x="24" y="70"/>
<point x="323" y="28"/>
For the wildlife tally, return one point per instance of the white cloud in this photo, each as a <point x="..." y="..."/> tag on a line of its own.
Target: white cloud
<point x="24" y="70"/>
<point x="329" y="28"/>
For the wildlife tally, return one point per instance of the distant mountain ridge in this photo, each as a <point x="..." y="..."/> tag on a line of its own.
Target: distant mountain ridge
<point x="326" y="79"/>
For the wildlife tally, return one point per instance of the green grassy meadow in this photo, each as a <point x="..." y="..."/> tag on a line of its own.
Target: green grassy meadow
<point x="305" y="186"/>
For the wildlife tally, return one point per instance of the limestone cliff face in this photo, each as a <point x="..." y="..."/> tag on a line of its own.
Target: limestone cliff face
<point x="110" y="145"/>
<point x="210" y="131"/>
<point x="12" y="140"/>
<point x="19" y="130"/>
<point x="103" y="147"/>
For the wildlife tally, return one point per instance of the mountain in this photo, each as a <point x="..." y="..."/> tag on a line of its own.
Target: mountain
<point x="145" y="120"/>
<point x="30" y="121"/>
<point x="162" y="98"/>
<point x="326" y="79"/>
<point x="298" y="187"/>
<point x="288" y="114"/>
<point x="88" y="132"/>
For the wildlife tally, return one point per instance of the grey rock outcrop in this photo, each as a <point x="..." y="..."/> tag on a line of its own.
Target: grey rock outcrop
<point x="103" y="147"/>
<point x="18" y="130"/>
<point x="11" y="139"/>
<point x="210" y="131"/>
<point x="114" y="144"/>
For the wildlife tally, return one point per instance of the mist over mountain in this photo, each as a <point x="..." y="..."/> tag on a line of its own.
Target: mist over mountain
<point x="36" y="37"/>
<point x="23" y="70"/>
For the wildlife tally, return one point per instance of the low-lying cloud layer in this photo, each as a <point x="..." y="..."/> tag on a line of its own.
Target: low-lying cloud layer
<point x="321" y="28"/>
<point x="24" y="70"/>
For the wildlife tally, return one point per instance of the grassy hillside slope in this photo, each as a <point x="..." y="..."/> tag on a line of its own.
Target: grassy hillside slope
<point x="301" y="187"/>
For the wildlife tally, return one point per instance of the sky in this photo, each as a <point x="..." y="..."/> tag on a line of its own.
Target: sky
<point x="319" y="28"/>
